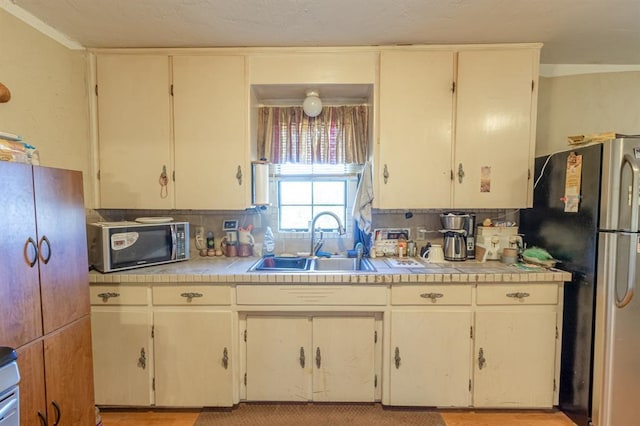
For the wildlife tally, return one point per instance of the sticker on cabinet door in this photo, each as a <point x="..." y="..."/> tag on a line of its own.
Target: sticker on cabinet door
<point x="485" y="179"/>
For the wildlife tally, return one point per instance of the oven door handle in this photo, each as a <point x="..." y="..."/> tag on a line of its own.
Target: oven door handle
<point x="6" y="410"/>
<point x="174" y="242"/>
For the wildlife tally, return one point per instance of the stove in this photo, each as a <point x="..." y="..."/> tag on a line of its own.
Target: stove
<point x="9" y="392"/>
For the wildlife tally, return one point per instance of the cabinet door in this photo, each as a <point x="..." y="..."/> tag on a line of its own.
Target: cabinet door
<point x="495" y="127"/>
<point x="416" y="108"/>
<point x="430" y="353"/>
<point x="192" y="358"/>
<point x="122" y="367"/>
<point x="69" y="374"/>
<point x="134" y="131"/>
<point x="21" y="319"/>
<point x="279" y="358"/>
<point x="514" y="359"/>
<point x="33" y="403"/>
<point x="210" y="108"/>
<point x="63" y="246"/>
<point x="344" y="359"/>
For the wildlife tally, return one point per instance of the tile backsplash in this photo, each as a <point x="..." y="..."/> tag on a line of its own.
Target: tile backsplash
<point x="211" y="220"/>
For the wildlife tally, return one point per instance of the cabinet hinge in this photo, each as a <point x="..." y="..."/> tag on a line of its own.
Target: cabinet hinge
<point x="375" y="337"/>
<point x="153" y="331"/>
<point x="554" y="385"/>
<point x="469" y="385"/>
<point x="451" y="174"/>
<point x="528" y="174"/>
<point x="533" y="85"/>
<point x="375" y="381"/>
<point x="471" y="332"/>
<point x="453" y="87"/>
<point x="245" y="335"/>
<point x="171" y="90"/>
<point x="173" y="175"/>
<point x="557" y="333"/>
<point x="95" y="89"/>
<point x="153" y="384"/>
<point x="245" y="379"/>
<point x="98" y="174"/>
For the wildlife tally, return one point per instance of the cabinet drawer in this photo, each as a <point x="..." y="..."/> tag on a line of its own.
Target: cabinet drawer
<point x="192" y="295"/>
<point x="311" y="295"/>
<point x="431" y="295"/>
<point x="103" y="295"/>
<point x="501" y="294"/>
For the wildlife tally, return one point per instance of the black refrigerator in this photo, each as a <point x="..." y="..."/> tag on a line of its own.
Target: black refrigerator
<point x="594" y="235"/>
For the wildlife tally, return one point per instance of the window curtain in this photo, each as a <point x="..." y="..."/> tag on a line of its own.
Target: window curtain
<point x="339" y="135"/>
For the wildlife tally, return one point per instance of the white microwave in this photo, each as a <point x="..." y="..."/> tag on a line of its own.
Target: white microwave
<point x="116" y="246"/>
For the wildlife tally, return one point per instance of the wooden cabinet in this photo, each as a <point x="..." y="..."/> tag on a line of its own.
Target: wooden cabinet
<point x="431" y="346"/>
<point x="462" y="139"/>
<point x="211" y="144"/>
<point x="120" y="318"/>
<point x="515" y="346"/>
<point x="193" y="352"/>
<point x="44" y="291"/>
<point x="311" y="358"/>
<point x="415" y="145"/>
<point x="495" y="127"/>
<point x="168" y="125"/>
<point x="134" y="131"/>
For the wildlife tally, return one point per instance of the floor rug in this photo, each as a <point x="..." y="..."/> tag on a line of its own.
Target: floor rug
<point x="258" y="414"/>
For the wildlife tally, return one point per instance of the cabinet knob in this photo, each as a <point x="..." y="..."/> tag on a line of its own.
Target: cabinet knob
<point x="385" y="174"/>
<point x="191" y="295"/>
<point x="302" y="358"/>
<point x="460" y="173"/>
<point x="318" y="357"/>
<point x="108" y="295"/>
<point x="142" y="361"/>
<point x="225" y="358"/>
<point x="518" y="295"/>
<point x="397" y="357"/>
<point x="31" y="260"/>
<point x="432" y="296"/>
<point x="56" y="407"/>
<point x="44" y="240"/>
<point x="481" y="360"/>
<point x="239" y="175"/>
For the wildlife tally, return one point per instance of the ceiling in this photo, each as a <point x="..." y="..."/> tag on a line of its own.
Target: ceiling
<point x="573" y="31"/>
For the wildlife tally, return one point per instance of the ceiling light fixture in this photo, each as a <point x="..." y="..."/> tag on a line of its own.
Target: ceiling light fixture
<point x="312" y="104"/>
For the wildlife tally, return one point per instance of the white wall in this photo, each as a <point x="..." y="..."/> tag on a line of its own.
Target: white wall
<point x="586" y="104"/>
<point x="49" y="104"/>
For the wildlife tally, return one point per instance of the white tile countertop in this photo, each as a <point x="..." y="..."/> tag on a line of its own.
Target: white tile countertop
<point x="389" y="271"/>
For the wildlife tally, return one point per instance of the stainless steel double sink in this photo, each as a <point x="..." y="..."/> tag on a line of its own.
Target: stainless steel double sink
<point x="306" y="264"/>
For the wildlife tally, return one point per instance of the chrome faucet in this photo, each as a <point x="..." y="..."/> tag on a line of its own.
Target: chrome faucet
<point x="359" y="255"/>
<point x="315" y="246"/>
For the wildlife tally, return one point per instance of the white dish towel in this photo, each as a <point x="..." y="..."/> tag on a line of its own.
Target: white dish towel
<point x="364" y="199"/>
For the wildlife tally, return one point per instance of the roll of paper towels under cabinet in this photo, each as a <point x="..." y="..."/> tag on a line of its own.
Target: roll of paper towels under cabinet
<point x="260" y="183"/>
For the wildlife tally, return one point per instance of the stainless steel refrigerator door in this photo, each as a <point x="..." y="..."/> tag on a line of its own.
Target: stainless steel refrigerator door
<point x="619" y="343"/>
<point x="620" y="198"/>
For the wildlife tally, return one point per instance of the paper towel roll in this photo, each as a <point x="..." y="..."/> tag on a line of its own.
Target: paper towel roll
<point x="260" y="183"/>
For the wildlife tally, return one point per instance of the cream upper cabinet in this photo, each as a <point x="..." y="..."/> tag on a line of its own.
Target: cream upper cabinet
<point x="134" y="131"/>
<point x="211" y="151"/>
<point x="495" y="127"/>
<point x="415" y="141"/>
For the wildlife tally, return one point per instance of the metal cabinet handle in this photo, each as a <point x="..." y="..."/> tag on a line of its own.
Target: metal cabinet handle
<point x="397" y="358"/>
<point x="239" y="175"/>
<point x="432" y="296"/>
<point x="318" y="357"/>
<point x="43" y="419"/>
<point x="225" y="358"/>
<point x="142" y="361"/>
<point x="191" y="295"/>
<point x="302" y="358"/>
<point x="518" y="295"/>
<point x="44" y="239"/>
<point x="30" y="261"/>
<point x="460" y="173"/>
<point x="106" y="296"/>
<point x="58" y="413"/>
<point x="481" y="360"/>
<point x="385" y="174"/>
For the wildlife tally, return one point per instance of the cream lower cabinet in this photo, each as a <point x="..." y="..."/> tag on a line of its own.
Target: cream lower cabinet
<point x="122" y="345"/>
<point x="192" y="346"/>
<point x="515" y="345"/>
<point x="310" y="358"/>
<point x="431" y="346"/>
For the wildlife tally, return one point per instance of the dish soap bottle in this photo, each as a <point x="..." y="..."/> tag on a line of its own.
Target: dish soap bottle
<point x="269" y="244"/>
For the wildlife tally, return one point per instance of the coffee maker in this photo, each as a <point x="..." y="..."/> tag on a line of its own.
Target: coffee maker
<point x="470" y="235"/>
<point x="455" y="242"/>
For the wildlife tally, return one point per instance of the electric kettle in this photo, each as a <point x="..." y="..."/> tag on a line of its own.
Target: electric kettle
<point x="455" y="245"/>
